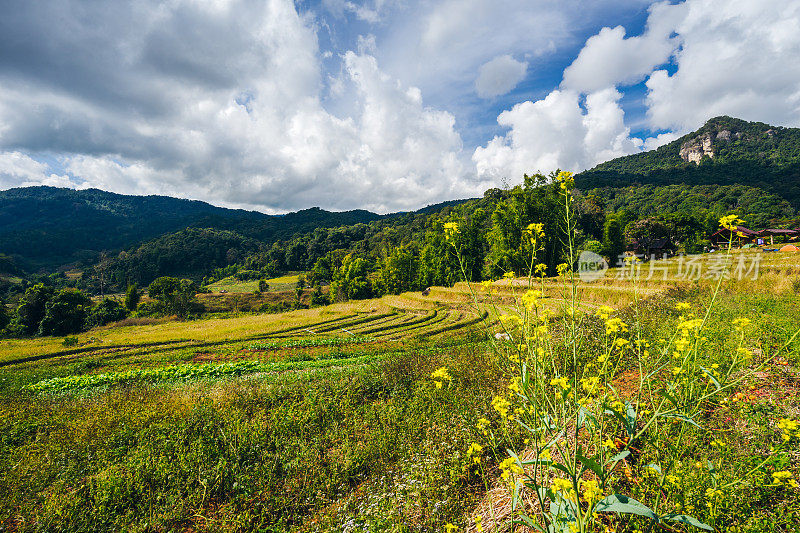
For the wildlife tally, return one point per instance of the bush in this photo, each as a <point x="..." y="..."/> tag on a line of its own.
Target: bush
<point x="65" y="313"/>
<point x="108" y="310"/>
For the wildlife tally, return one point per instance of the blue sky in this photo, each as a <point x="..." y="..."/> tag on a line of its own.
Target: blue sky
<point x="387" y="105"/>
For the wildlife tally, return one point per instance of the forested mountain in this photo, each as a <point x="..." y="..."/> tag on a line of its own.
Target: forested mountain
<point x="681" y="189"/>
<point x="725" y="151"/>
<point x="48" y="226"/>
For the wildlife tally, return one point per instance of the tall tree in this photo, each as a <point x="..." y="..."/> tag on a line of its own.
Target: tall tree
<point x="65" y="313"/>
<point x="613" y="240"/>
<point x="32" y="307"/>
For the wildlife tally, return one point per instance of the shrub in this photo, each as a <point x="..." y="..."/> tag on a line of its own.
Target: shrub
<point x="109" y="310"/>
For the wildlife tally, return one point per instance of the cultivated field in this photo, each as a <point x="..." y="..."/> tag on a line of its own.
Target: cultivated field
<point x="327" y="418"/>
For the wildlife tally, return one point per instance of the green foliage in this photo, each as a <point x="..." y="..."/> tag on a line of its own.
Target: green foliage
<point x="48" y="226"/>
<point x="132" y="297"/>
<point x="613" y="240"/>
<point x="535" y="202"/>
<point x="108" y="310"/>
<point x="65" y="313"/>
<point x="32" y="307"/>
<point x="351" y="280"/>
<point x="4" y="316"/>
<point x="745" y="153"/>
<point x="175" y="296"/>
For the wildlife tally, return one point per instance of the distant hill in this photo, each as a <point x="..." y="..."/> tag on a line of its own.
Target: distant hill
<point x="725" y="151"/>
<point x="44" y="227"/>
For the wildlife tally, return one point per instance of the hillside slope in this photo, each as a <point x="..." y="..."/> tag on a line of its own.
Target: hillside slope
<point x="725" y="151"/>
<point x="48" y="226"/>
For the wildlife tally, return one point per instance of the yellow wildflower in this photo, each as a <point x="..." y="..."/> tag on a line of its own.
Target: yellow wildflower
<point x="441" y="375"/>
<point x="530" y="299"/>
<point x="590" y="385"/>
<point x="540" y="269"/>
<point x="784" y="477"/>
<point x="509" y="275"/>
<point x="566" y="180"/>
<point x="741" y="323"/>
<point x="501" y="405"/>
<point x="591" y="491"/>
<point x="450" y="528"/>
<point x="560" y="382"/>
<point x="681" y="306"/>
<point x="615" y="325"/>
<point x="604" y="311"/>
<point x="561" y="485"/>
<point x="730" y="222"/>
<point x="450" y="230"/>
<point x="508" y="467"/>
<point x="790" y="428"/>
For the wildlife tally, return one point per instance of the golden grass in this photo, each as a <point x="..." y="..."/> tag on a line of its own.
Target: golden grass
<point x="778" y="274"/>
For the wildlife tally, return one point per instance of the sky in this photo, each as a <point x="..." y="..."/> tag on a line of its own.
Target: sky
<point x="386" y="105"/>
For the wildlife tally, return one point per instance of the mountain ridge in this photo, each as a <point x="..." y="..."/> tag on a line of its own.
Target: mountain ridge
<point x="724" y="151"/>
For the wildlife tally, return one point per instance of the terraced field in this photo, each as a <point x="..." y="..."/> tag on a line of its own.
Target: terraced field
<point x="456" y="310"/>
<point x="284" y="404"/>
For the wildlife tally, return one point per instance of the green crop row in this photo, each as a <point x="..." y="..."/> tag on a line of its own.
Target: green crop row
<point x="310" y="342"/>
<point x="186" y="372"/>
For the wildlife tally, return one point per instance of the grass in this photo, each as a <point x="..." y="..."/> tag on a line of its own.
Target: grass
<point x="233" y="285"/>
<point x="252" y="423"/>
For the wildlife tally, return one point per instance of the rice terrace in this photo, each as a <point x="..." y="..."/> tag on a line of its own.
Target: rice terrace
<point x="552" y="284"/>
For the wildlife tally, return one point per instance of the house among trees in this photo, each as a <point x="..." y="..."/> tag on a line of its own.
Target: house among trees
<point x="743" y="235"/>
<point x="652" y="246"/>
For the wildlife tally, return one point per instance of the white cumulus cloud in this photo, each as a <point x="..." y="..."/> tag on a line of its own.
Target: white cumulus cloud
<point x="736" y="58"/>
<point x="556" y="132"/>
<point x="216" y="103"/>
<point x="609" y="58"/>
<point x="499" y="76"/>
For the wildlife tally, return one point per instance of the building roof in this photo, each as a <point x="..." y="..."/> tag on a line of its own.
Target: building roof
<point x="777" y="232"/>
<point x="747" y="232"/>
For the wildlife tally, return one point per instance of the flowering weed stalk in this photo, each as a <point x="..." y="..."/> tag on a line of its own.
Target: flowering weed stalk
<point x="577" y="442"/>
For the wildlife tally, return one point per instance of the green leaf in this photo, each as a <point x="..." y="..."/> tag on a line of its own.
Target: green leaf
<point x="618" y="503"/>
<point x="668" y="396"/>
<point x="654" y="467"/>
<point x="592" y="465"/>
<point x="630" y="419"/>
<point x="515" y="495"/>
<point x="711" y="377"/>
<point x="684" y="519"/>
<point x="524" y="520"/>
<point x="682" y="417"/>
<point x="619" y="457"/>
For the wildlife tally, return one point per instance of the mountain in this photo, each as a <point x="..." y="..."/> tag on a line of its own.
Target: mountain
<point x="46" y="227"/>
<point x="724" y="151"/>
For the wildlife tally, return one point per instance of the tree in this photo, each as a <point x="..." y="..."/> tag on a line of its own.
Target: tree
<point x="175" y="296"/>
<point x="65" y="313"/>
<point x="109" y="310"/>
<point x="645" y="232"/>
<point x="32" y="309"/>
<point x="351" y="280"/>
<point x="613" y="240"/>
<point x="263" y="286"/>
<point x="4" y="318"/>
<point x="132" y="297"/>
<point x="398" y="271"/>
